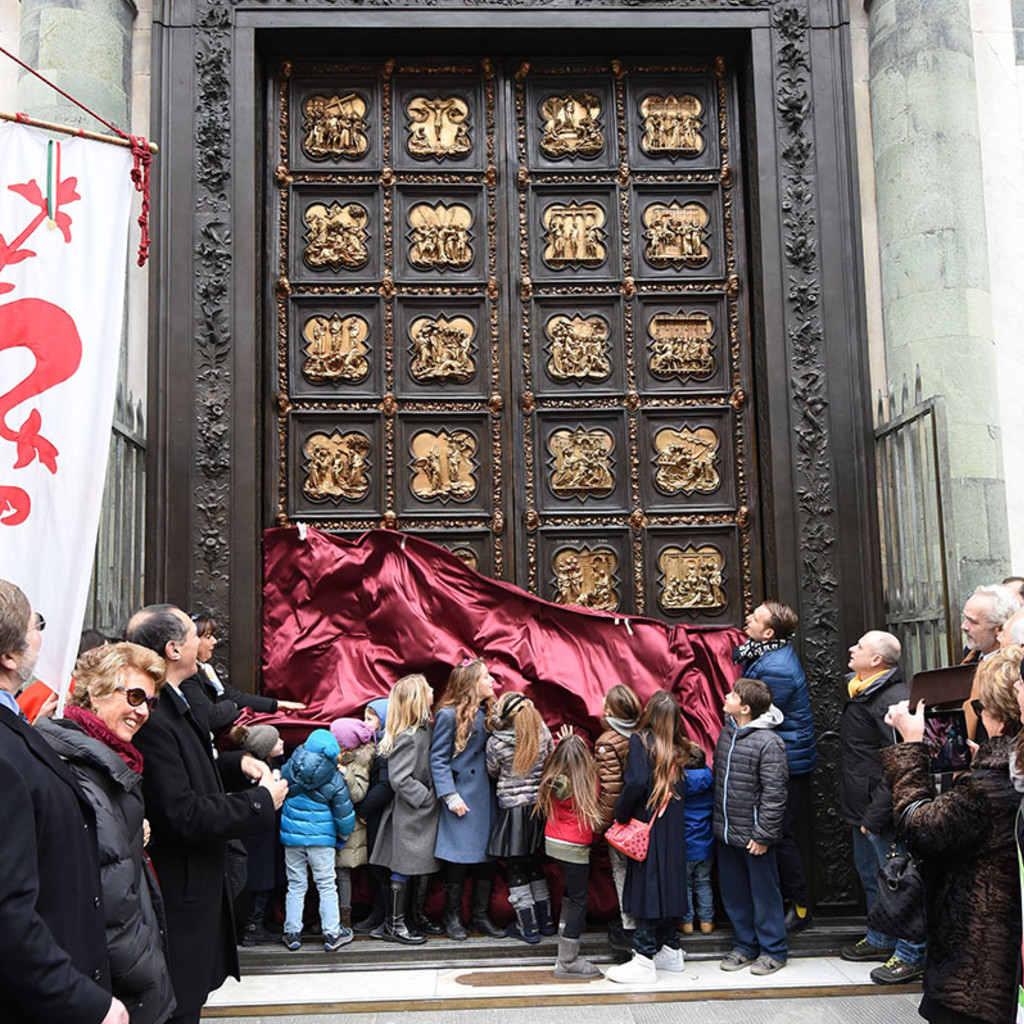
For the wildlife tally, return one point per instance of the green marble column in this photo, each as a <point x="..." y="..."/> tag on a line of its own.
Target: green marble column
<point x="85" y="47"/>
<point x="934" y="255"/>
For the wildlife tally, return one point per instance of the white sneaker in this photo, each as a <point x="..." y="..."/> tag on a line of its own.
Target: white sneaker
<point x="669" y="959"/>
<point x="638" y="971"/>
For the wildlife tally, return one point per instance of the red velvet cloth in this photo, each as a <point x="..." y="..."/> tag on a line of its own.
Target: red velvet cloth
<point x="343" y="620"/>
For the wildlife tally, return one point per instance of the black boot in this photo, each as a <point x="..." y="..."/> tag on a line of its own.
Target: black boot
<point x="524" y="927"/>
<point x="255" y="933"/>
<point x="453" y="926"/>
<point x="394" y="927"/>
<point x="419" y="923"/>
<point x="478" y="919"/>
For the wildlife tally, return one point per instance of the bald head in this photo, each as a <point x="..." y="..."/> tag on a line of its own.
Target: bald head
<point x="876" y="651"/>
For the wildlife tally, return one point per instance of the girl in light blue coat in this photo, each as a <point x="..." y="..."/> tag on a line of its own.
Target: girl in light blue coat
<point x="317" y="817"/>
<point x="458" y="765"/>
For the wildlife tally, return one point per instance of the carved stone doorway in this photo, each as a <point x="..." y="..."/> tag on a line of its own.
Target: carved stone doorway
<point x="509" y="313"/>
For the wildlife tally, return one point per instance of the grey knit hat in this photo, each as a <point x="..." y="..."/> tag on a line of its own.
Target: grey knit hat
<point x="261" y="740"/>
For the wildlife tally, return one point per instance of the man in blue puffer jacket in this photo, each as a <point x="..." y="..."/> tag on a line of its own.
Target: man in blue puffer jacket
<point x="316" y="819"/>
<point x="769" y="656"/>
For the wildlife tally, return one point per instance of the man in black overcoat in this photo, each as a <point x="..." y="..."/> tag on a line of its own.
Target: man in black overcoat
<point x="192" y="816"/>
<point x="53" y="950"/>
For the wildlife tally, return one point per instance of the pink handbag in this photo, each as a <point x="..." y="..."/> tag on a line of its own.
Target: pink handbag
<point x="632" y="838"/>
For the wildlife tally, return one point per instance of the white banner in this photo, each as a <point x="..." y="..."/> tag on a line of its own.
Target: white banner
<point x="64" y="212"/>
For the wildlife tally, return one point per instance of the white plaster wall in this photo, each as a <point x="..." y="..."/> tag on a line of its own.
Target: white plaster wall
<point x="1000" y="91"/>
<point x="10" y="19"/>
<point x="869" y="214"/>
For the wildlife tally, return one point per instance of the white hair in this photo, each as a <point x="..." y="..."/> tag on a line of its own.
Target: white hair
<point x="1002" y="603"/>
<point x="1017" y="631"/>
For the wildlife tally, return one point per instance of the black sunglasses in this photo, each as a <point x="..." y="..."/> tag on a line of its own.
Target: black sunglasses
<point x="136" y="696"/>
<point x="977" y="707"/>
<point x="40" y="622"/>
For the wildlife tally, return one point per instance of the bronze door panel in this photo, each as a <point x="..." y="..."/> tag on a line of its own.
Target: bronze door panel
<point x="510" y="317"/>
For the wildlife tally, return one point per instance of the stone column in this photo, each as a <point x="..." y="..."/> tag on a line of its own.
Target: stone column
<point x="936" y="302"/>
<point x="85" y="47"/>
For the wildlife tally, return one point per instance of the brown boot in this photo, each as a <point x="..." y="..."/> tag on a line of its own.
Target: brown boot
<point x="707" y="927"/>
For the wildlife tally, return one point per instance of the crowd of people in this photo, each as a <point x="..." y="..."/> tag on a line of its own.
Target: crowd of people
<point x="138" y="819"/>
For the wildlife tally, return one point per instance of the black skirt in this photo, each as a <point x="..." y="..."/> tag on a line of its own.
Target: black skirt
<point x="516" y="832"/>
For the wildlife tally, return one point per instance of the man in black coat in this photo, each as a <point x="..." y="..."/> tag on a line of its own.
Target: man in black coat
<point x="192" y="817"/>
<point x="865" y="801"/>
<point x="53" y="950"/>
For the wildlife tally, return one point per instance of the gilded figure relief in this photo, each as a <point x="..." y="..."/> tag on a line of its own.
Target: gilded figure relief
<point x="444" y="465"/>
<point x="438" y="127"/>
<point x="672" y="125"/>
<point x="582" y="462"/>
<point x="574" y="234"/>
<point x="586" y="578"/>
<point x="440" y="236"/>
<point x="336" y="349"/>
<point x="336" y="466"/>
<point x="687" y="460"/>
<point x="691" y="579"/>
<point x="335" y="127"/>
<point x="466" y="555"/>
<point x="681" y="346"/>
<point x="441" y="349"/>
<point x="677" y="234"/>
<point x="336" y="235"/>
<point x="571" y="126"/>
<point x="578" y="349"/>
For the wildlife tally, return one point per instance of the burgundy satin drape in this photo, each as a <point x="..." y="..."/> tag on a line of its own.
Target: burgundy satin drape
<point x="343" y="620"/>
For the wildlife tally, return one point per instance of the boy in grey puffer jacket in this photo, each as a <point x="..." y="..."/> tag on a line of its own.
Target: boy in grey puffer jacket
<point x="751" y="776"/>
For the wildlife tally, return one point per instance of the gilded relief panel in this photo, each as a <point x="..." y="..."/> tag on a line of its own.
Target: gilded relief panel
<point x="577" y="346"/>
<point x="683" y="344"/>
<point x="680" y="233"/>
<point x="335" y="124"/>
<point x="674" y="123"/>
<point x="335" y="234"/>
<point x="571" y="123"/>
<point x="439" y="124"/>
<point x="585" y="460"/>
<point x="586" y="569"/>
<point x="441" y="234"/>
<point x="689" y="462"/>
<point x="694" y="573"/>
<point x="574" y="235"/>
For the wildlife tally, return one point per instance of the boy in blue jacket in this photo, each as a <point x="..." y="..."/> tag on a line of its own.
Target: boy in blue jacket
<point x="700" y="802"/>
<point x="317" y="817"/>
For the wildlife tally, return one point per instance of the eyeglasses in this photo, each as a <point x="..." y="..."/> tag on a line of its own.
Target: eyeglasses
<point x="136" y="697"/>
<point x="977" y="707"/>
<point x="40" y="622"/>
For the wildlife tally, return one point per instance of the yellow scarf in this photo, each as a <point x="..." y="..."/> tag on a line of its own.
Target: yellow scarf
<point x="857" y="685"/>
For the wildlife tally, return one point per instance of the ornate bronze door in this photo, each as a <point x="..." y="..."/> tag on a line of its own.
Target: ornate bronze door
<point x="510" y="316"/>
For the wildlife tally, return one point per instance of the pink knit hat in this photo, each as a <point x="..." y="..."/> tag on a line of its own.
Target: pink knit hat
<point x="351" y="733"/>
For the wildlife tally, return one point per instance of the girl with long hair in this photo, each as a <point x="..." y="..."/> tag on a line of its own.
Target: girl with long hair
<point x="621" y="712"/>
<point x="516" y="750"/>
<point x="567" y="797"/>
<point x="408" y="826"/>
<point x="653" y="790"/>
<point x="458" y="765"/>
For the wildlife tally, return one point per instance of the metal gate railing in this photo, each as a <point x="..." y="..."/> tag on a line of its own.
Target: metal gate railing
<point x="916" y="532"/>
<point x="115" y="590"/>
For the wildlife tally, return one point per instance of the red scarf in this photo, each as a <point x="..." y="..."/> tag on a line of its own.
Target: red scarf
<point x="94" y="726"/>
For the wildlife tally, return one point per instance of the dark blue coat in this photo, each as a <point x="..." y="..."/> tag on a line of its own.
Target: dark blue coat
<point x="782" y="671"/>
<point x="317" y="810"/>
<point x="655" y="887"/>
<point x="700" y="804"/>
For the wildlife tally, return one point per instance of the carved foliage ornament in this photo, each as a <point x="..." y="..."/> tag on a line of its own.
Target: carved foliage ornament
<point x="440" y="236"/>
<point x="438" y="127"/>
<point x="336" y="349"/>
<point x="677" y="234"/>
<point x="444" y="465"/>
<point x="672" y="125"/>
<point x="336" y="235"/>
<point x="681" y="345"/>
<point x="578" y="348"/>
<point x="687" y="460"/>
<point x="574" y="234"/>
<point x="335" y="127"/>
<point x="571" y="126"/>
<point x="586" y="578"/>
<point x="691" y="579"/>
<point x="442" y="349"/>
<point x="581" y="462"/>
<point x="336" y="467"/>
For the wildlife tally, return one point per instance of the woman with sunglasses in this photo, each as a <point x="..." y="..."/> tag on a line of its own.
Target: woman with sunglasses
<point x="115" y="688"/>
<point x="964" y="839"/>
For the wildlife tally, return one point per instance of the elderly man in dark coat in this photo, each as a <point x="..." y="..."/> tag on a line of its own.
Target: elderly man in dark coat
<point x="192" y="817"/>
<point x="53" y="951"/>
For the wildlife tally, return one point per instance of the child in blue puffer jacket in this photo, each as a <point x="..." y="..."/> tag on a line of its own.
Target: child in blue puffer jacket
<point x="700" y="842"/>
<point x="316" y="818"/>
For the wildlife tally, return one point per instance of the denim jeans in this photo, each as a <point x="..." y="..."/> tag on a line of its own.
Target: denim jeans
<point x="698" y="890"/>
<point x="653" y="933"/>
<point x="868" y="856"/>
<point x="619" y="861"/>
<point x="320" y="860"/>
<point x="750" y="892"/>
